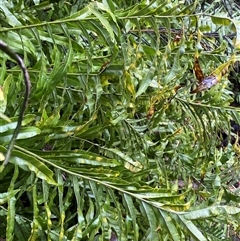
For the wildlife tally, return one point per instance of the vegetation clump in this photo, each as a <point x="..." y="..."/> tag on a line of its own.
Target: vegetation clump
<point x="120" y="141"/>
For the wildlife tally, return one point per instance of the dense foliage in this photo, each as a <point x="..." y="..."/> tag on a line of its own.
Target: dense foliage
<point x="113" y="145"/>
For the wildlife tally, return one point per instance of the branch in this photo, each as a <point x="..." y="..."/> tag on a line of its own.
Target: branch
<point x="7" y="50"/>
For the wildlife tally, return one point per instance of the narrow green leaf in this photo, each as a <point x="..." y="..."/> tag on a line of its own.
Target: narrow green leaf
<point x="146" y="81"/>
<point x="152" y="219"/>
<point x="10" y="219"/>
<point x="5" y="196"/>
<point x="211" y="212"/>
<point x="221" y="20"/>
<point x="28" y="162"/>
<point x="11" y="19"/>
<point x="133" y="213"/>
<point x="5" y="126"/>
<point x="11" y="206"/>
<point x="80" y="203"/>
<point x="80" y="15"/>
<point x="104" y="21"/>
<point x="105" y="7"/>
<point x="35" y="223"/>
<point x="169" y="224"/>
<point x="25" y="133"/>
<point x="237" y="30"/>
<point x="81" y="157"/>
<point x="191" y="229"/>
<point x="4" y="93"/>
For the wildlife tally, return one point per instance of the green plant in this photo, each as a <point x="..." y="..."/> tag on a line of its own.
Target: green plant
<point x="111" y="146"/>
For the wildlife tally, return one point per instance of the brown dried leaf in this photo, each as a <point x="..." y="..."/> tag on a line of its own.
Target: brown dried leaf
<point x="151" y="111"/>
<point x="197" y="70"/>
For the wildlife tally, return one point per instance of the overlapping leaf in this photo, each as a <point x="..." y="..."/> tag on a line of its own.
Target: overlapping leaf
<point x="95" y="73"/>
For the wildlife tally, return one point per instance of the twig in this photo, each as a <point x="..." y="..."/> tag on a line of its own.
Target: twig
<point x="7" y="50"/>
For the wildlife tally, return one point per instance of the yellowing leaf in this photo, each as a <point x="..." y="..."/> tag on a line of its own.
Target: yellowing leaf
<point x="223" y="68"/>
<point x="129" y="83"/>
<point x="221" y="20"/>
<point x="1" y="94"/>
<point x="2" y="157"/>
